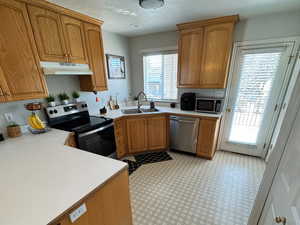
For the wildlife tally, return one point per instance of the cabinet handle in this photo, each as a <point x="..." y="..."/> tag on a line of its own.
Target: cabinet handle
<point x="67" y="57"/>
<point x="280" y="219"/>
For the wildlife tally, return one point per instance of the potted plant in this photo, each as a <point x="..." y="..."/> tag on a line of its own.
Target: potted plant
<point x="76" y="96"/>
<point x="51" y="100"/>
<point x="64" y="98"/>
<point x="13" y="130"/>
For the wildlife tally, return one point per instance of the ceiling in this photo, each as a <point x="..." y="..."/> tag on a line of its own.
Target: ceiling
<point x="127" y="18"/>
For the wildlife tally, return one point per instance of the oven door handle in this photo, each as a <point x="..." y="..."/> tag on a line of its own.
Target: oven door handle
<point x="96" y="130"/>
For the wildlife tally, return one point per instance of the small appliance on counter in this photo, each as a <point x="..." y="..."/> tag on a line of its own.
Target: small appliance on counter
<point x="93" y="134"/>
<point x="209" y="105"/>
<point x="188" y="101"/>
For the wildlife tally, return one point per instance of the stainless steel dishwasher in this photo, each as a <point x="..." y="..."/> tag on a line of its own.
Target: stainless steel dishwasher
<point x="184" y="133"/>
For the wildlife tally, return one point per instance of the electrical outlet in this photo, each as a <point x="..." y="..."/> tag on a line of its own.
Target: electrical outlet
<point x="8" y="117"/>
<point x="77" y="213"/>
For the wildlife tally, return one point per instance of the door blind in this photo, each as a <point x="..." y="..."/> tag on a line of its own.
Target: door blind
<point x="257" y="73"/>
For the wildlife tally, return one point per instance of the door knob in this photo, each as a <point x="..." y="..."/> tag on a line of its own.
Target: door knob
<point x="280" y="219"/>
<point x="228" y="110"/>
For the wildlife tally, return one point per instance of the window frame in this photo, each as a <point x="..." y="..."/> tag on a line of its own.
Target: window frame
<point x="160" y="52"/>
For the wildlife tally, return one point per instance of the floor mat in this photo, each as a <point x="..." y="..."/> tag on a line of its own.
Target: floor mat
<point x="132" y="165"/>
<point x="152" y="157"/>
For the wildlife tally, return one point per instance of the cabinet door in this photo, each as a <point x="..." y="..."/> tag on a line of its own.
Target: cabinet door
<point x="190" y="55"/>
<point x="157" y="132"/>
<point x="19" y="59"/>
<point x="96" y="82"/>
<point x="48" y="34"/>
<point x="137" y="135"/>
<point x="75" y="39"/>
<point x="120" y="136"/>
<point x="4" y="91"/>
<point x="207" y="137"/>
<point x="216" y="53"/>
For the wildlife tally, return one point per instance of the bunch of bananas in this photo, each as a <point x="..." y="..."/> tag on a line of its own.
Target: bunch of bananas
<point x="35" y="122"/>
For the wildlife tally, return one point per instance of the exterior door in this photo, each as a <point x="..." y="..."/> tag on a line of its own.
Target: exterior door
<point x="157" y="132"/>
<point x="48" y="34"/>
<point x="283" y="204"/>
<point x="216" y="51"/>
<point x="259" y="79"/>
<point x="75" y="39"/>
<point x="19" y="61"/>
<point x="137" y="135"/>
<point x="190" y="55"/>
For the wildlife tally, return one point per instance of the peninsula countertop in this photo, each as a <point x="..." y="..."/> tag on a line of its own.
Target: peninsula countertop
<point x="115" y="114"/>
<point x="41" y="177"/>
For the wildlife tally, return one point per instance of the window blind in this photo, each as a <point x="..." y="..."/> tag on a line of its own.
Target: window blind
<point x="160" y="76"/>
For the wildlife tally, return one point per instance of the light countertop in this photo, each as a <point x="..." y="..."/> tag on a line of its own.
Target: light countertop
<point x="114" y="114"/>
<point x="41" y="177"/>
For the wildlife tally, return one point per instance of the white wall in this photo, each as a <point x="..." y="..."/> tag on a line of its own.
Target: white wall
<point x="113" y="44"/>
<point x="258" y="28"/>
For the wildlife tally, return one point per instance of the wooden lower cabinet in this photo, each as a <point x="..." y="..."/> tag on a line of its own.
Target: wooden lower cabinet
<point x="121" y="137"/>
<point x="137" y="135"/>
<point x="109" y="205"/>
<point x="141" y="134"/>
<point x="71" y="140"/>
<point x="208" y="137"/>
<point x="157" y="132"/>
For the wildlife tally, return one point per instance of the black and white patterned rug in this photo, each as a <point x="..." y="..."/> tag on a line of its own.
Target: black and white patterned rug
<point x="132" y="165"/>
<point x="152" y="157"/>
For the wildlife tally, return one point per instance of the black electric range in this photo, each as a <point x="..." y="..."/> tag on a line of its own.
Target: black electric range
<point x="93" y="134"/>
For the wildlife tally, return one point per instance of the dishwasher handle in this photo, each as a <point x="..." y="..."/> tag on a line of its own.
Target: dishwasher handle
<point x="182" y="120"/>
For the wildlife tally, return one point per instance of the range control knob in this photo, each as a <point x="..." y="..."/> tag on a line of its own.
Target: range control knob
<point x="51" y="112"/>
<point x="55" y="111"/>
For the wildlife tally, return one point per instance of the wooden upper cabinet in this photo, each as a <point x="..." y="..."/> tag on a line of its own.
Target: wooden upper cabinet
<point x="48" y="34"/>
<point x="157" y="132"/>
<point x="137" y="135"/>
<point x="94" y="43"/>
<point x="216" y="54"/>
<point x="19" y="61"/>
<point x="204" y="52"/>
<point x="75" y="39"/>
<point x="190" y="55"/>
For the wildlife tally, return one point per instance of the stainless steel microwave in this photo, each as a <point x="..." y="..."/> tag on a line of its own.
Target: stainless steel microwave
<point x="209" y="105"/>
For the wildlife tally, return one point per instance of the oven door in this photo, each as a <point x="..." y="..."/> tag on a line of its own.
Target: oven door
<point x="206" y="105"/>
<point x="100" y="141"/>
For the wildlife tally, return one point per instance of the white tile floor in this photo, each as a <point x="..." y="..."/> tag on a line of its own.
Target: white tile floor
<point x="193" y="191"/>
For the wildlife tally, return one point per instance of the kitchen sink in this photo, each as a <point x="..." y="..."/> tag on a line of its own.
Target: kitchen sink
<point x="136" y="111"/>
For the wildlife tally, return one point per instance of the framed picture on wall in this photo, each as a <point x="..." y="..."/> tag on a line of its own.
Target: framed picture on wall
<point x="115" y="66"/>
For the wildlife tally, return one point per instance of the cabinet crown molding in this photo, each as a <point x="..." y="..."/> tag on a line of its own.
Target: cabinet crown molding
<point x="59" y="9"/>
<point x="201" y="23"/>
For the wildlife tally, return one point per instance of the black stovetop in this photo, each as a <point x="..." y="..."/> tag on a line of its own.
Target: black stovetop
<point x="83" y="124"/>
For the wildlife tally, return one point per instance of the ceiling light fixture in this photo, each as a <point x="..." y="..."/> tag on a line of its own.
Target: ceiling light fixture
<point x="151" y="4"/>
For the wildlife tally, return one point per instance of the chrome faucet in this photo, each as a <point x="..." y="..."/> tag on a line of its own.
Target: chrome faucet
<point x="139" y="101"/>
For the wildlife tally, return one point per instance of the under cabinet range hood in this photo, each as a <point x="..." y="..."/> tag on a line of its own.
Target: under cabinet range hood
<point x="59" y="69"/>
